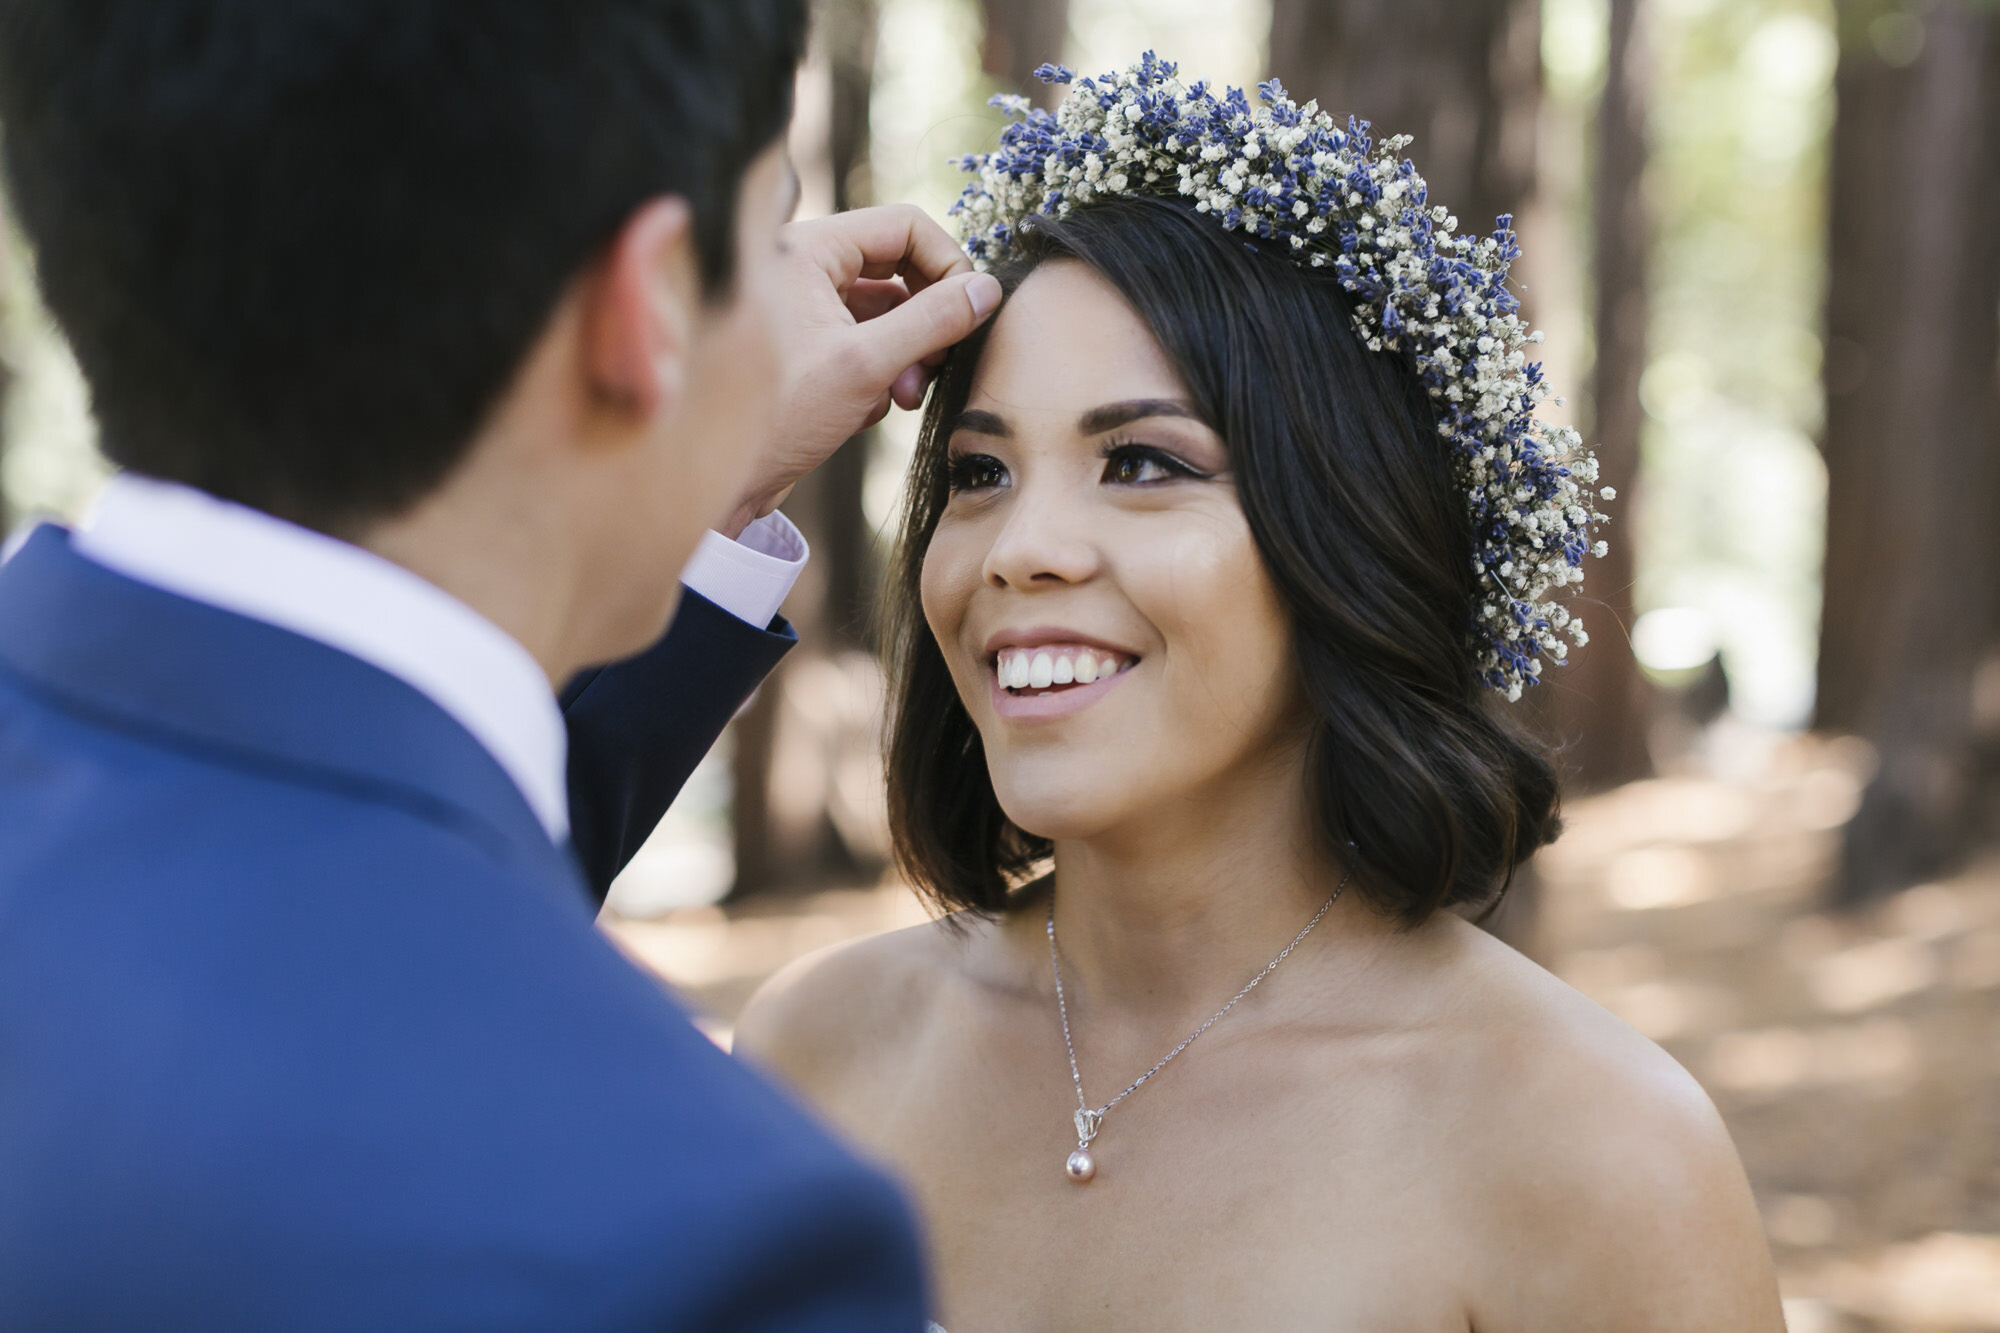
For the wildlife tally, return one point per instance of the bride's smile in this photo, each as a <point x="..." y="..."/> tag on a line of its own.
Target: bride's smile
<point x="1052" y="672"/>
<point x="1093" y="581"/>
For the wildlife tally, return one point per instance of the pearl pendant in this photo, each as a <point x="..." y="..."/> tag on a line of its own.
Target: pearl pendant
<point x="1080" y="1167"/>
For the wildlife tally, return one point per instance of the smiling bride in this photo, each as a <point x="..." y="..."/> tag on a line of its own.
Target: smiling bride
<point x="1226" y="547"/>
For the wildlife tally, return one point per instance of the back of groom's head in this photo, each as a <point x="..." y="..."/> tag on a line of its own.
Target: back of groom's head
<point x="301" y="246"/>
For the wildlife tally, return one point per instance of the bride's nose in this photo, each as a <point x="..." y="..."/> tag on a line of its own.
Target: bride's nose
<point x="1046" y="541"/>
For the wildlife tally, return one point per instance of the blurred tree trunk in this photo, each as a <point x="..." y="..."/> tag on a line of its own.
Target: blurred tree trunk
<point x="1019" y="36"/>
<point x="828" y="502"/>
<point x="1865" y="224"/>
<point x="1598" y="703"/>
<point x="1912" y="439"/>
<point x="1463" y="76"/>
<point x="777" y="846"/>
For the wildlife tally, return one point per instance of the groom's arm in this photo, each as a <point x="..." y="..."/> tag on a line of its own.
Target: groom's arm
<point x="875" y="297"/>
<point x="638" y="728"/>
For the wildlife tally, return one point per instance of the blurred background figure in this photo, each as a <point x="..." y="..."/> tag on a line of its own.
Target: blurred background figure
<point x="1765" y="238"/>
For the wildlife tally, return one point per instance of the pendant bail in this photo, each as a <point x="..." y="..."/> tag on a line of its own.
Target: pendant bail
<point x="1087" y="1122"/>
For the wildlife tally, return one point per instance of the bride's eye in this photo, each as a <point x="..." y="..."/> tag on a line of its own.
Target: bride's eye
<point x="1142" y="464"/>
<point x="976" y="472"/>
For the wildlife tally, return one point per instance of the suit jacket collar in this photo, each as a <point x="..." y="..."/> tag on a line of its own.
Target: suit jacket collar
<point x="148" y="662"/>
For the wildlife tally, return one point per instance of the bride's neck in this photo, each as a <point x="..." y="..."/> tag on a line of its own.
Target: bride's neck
<point x="1188" y="903"/>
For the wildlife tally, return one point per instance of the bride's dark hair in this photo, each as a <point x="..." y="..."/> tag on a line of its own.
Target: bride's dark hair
<point x="1429" y="795"/>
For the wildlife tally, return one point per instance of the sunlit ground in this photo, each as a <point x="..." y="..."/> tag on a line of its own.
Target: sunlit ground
<point x="1857" y="1059"/>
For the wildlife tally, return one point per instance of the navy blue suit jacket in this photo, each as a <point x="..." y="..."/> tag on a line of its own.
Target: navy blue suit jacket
<point x="305" y="1024"/>
<point x="637" y="729"/>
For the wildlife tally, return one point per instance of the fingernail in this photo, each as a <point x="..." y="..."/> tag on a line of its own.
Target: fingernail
<point x="984" y="293"/>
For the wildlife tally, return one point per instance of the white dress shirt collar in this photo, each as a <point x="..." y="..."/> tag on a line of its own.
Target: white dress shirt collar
<point x="246" y="561"/>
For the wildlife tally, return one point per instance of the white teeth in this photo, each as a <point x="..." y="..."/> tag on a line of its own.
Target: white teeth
<point x="1041" y="668"/>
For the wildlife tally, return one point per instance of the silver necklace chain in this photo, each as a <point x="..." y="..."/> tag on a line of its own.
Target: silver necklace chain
<point x="1088" y="1120"/>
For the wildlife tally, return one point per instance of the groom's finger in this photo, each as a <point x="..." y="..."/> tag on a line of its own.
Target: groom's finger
<point x="877" y="412"/>
<point x="929" y="322"/>
<point x="908" y="390"/>
<point x="893" y="240"/>
<point x="868" y="298"/>
<point x="901" y="240"/>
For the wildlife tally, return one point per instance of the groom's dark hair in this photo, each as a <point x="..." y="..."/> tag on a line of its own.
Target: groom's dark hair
<point x="300" y="247"/>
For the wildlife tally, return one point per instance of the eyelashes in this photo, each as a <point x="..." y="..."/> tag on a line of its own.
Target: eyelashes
<point x="1126" y="463"/>
<point x="975" y="472"/>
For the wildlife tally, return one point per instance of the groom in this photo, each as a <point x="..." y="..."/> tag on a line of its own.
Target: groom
<point x="433" y="337"/>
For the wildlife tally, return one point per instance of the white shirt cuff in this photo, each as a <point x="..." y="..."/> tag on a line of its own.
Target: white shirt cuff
<point x="751" y="576"/>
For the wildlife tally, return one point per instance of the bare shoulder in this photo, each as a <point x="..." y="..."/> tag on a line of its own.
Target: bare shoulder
<point x="1562" y="1052"/>
<point x="832" y="1013"/>
<point x="1610" y="1170"/>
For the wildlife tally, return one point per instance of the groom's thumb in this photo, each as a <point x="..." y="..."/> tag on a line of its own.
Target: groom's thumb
<point x="929" y="322"/>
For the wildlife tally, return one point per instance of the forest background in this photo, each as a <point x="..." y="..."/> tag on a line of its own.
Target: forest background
<point x="1763" y="237"/>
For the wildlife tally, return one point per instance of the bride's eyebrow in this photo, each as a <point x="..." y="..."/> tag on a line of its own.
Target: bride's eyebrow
<point x="979" y="423"/>
<point x="1111" y="416"/>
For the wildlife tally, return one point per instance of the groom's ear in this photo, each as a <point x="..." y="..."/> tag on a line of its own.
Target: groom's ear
<point x="640" y="310"/>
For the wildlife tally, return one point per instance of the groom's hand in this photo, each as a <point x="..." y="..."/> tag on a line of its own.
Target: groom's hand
<point x="875" y="298"/>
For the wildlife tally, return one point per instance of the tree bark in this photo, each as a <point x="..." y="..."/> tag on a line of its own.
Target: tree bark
<point x="1020" y="35"/>
<point x="1865" y="225"/>
<point x="1912" y="443"/>
<point x="1463" y="76"/>
<point x="778" y="847"/>
<point x="827" y="504"/>
<point x="1598" y="704"/>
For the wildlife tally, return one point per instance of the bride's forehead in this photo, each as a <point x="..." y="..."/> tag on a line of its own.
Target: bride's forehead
<point x="1067" y="341"/>
<point x="1066" y="300"/>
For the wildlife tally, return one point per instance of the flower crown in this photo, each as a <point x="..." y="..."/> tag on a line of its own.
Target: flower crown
<point x="1286" y="173"/>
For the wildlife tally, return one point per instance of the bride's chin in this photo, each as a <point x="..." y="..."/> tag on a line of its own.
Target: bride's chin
<point x="1059" y="816"/>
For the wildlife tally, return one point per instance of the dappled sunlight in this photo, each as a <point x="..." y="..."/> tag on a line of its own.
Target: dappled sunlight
<point x="1975" y="963"/>
<point x="717" y="956"/>
<point x="1803" y="1220"/>
<point x="1663" y="1009"/>
<point x="1944" y="1281"/>
<point x="1856" y="1058"/>
<point x="1879" y="1054"/>
<point x="1654" y="877"/>
<point x="1869" y="975"/>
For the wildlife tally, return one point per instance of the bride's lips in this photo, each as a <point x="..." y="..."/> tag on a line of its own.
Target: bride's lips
<point x="1049" y="671"/>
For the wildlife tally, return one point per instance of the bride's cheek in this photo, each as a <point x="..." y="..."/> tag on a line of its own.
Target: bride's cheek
<point x="944" y="593"/>
<point x="1219" y="616"/>
<point x="1201" y="573"/>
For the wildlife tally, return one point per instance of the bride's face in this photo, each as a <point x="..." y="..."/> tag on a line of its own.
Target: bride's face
<point x="1093" y="583"/>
